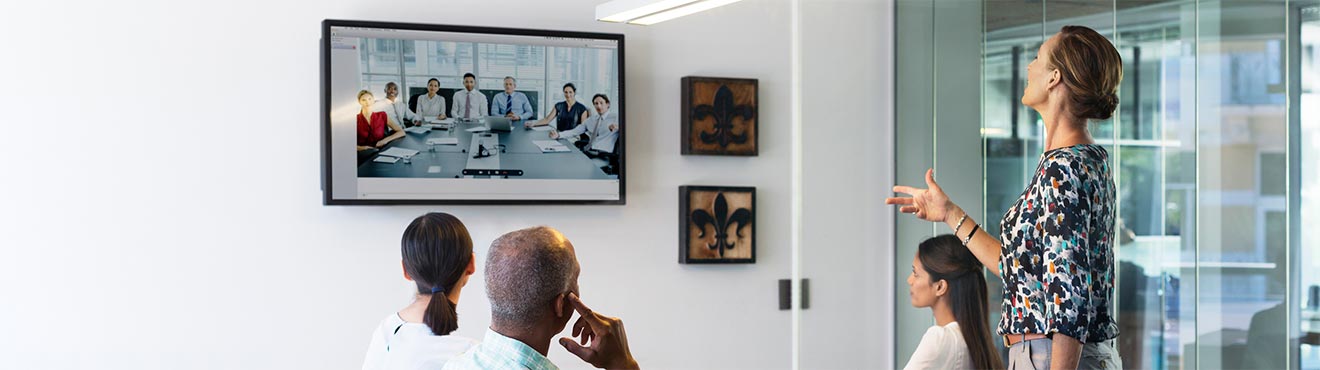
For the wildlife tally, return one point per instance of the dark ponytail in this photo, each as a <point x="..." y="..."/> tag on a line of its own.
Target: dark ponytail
<point x="436" y="251"/>
<point x="945" y="258"/>
<point x="441" y="314"/>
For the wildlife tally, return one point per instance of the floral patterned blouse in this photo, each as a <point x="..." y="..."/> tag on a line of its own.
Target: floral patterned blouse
<point x="1057" y="260"/>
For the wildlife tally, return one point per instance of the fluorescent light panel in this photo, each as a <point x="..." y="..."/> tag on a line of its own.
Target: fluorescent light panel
<point x="649" y="12"/>
<point x="626" y="10"/>
<point x="679" y="12"/>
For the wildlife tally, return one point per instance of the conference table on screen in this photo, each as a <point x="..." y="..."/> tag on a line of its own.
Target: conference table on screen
<point x="519" y="153"/>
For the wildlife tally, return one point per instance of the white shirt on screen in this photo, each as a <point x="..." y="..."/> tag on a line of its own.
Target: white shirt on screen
<point x="396" y="110"/>
<point x="942" y="347"/>
<point x="401" y="345"/>
<point x="478" y="108"/>
<point x="598" y="128"/>
<point x="430" y="107"/>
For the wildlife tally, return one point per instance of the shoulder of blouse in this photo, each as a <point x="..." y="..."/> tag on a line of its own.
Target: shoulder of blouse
<point x="1086" y="153"/>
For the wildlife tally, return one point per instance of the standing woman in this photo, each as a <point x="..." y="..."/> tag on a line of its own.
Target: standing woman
<point x="437" y="256"/>
<point x="1055" y="250"/>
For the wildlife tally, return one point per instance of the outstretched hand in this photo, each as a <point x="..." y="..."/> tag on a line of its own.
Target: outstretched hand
<point x="930" y="204"/>
<point x="609" y="343"/>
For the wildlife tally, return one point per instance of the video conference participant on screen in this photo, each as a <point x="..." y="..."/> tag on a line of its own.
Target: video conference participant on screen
<point x="372" y="125"/>
<point x="397" y="109"/>
<point x="511" y="104"/>
<point x="602" y="128"/>
<point x="431" y="104"/>
<point x="567" y="114"/>
<point x="469" y="103"/>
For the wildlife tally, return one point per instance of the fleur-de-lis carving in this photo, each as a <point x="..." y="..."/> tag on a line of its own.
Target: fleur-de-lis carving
<point x="721" y="219"/>
<point x="723" y="111"/>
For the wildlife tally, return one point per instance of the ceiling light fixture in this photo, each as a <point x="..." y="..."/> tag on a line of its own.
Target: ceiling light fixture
<point x="648" y="12"/>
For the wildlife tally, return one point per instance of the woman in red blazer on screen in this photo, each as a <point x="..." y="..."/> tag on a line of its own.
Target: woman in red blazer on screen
<point x="371" y="125"/>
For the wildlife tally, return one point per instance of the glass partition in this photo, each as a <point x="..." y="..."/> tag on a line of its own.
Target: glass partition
<point x="1213" y="147"/>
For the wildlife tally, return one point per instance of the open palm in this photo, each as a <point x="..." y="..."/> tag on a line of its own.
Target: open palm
<point x="930" y="204"/>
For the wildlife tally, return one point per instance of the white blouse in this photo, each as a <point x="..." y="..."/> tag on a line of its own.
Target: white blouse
<point x="428" y="107"/>
<point x="398" y="344"/>
<point x="941" y="348"/>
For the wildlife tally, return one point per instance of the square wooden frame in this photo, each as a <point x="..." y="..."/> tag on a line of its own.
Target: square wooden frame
<point x="684" y="209"/>
<point x="686" y="116"/>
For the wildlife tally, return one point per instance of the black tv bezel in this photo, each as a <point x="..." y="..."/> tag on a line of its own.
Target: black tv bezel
<point x="327" y="182"/>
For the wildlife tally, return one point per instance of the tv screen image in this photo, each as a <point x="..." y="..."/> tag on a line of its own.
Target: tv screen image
<point x="439" y="114"/>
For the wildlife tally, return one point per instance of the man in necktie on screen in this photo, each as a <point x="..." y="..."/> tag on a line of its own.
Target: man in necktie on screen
<point x="602" y="129"/>
<point x="510" y="103"/>
<point x="469" y="104"/>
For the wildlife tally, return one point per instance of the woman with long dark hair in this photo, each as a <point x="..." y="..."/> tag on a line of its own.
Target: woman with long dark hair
<point x="948" y="279"/>
<point x="437" y="257"/>
<point x="1055" y="250"/>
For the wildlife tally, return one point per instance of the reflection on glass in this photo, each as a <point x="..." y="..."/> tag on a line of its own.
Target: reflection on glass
<point x="1199" y="140"/>
<point x="1211" y="164"/>
<point x="1309" y="210"/>
<point x="1241" y="122"/>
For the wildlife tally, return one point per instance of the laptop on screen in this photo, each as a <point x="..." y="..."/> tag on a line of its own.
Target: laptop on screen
<point x="498" y="123"/>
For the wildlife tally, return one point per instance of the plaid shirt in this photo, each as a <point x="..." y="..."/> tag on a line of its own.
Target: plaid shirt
<point x="500" y="352"/>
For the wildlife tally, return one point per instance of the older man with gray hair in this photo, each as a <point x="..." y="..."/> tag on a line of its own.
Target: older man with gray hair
<point x="531" y="280"/>
<point x="511" y="104"/>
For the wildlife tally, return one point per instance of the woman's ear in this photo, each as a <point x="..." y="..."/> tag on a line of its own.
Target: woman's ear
<point x="941" y="287"/>
<point x="472" y="265"/>
<point x="405" y="271"/>
<point x="1056" y="77"/>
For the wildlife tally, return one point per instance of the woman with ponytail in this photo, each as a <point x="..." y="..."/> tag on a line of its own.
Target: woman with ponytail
<point x="950" y="280"/>
<point x="437" y="256"/>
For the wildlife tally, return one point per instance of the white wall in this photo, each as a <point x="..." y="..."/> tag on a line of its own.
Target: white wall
<point x="161" y="203"/>
<point x="847" y="251"/>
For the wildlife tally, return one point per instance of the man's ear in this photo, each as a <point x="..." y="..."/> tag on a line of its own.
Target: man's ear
<point x="560" y="305"/>
<point x="472" y="265"/>
<point x="405" y="271"/>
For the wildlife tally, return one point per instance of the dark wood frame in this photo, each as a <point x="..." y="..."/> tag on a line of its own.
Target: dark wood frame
<point x="684" y="201"/>
<point x="326" y="177"/>
<point x="685" y="100"/>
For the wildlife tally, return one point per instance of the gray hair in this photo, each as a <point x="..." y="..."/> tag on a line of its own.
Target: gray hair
<point x="525" y="270"/>
<point x="511" y="78"/>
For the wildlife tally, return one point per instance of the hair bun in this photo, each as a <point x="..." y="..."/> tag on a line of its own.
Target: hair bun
<point x="1100" y="107"/>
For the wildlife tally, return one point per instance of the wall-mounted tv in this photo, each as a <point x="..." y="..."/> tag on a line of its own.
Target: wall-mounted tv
<point x="442" y="114"/>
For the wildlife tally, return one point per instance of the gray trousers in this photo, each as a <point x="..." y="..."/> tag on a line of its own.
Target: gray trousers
<point x="1035" y="355"/>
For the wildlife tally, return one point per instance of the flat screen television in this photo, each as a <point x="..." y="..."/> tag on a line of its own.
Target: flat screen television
<point x="442" y="114"/>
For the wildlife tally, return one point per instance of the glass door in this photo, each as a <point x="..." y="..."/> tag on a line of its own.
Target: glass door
<point x="1214" y="149"/>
